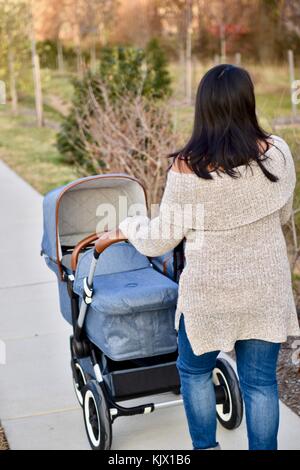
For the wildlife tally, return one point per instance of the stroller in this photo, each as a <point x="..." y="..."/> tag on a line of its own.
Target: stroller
<point x="121" y="306"/>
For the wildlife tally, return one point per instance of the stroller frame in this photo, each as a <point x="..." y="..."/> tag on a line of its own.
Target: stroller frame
<point x="226" y="388"/>
<point x="100" y="382"/>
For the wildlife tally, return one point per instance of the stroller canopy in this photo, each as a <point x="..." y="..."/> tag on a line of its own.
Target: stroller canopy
<point x="88" y="205"/>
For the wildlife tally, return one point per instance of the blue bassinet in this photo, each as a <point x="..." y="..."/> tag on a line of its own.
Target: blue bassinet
<point x="132" y="310"/>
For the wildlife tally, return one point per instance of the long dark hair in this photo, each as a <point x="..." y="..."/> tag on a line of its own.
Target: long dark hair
<point x="226" y="131"/>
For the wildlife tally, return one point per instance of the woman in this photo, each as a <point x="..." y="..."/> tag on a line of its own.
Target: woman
<point x="235" y="290"/>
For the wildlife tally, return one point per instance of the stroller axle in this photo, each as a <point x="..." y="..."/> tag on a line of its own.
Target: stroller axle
<point x="221" y="398"/>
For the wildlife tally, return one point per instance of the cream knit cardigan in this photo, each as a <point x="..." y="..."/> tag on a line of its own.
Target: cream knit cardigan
<point x="236" y="283"/>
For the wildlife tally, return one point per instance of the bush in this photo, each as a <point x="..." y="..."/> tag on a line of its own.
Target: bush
<point x="132" y="134"/>
<point x="124" y="71"/>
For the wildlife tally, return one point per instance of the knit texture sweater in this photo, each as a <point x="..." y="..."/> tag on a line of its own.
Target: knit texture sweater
<point x="236" y="283"/>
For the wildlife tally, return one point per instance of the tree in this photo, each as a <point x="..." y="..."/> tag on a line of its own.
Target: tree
<point x="80" y="23"/>
<point x="13" y="43"/>
<point x="88" y="20"/>
<point x="178" y="16"/>
<point x="124" y="72"/>
<point x="38" y="95"/>
<point x="139" y="14"/>
<point x="291" y="15"/>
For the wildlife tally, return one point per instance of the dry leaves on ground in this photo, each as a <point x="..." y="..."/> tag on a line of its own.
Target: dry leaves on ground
<point x="3" y="441"/>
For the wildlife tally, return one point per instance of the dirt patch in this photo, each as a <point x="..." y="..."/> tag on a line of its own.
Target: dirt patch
<point x="3" y="441"/>
<point x="288" y="374"/>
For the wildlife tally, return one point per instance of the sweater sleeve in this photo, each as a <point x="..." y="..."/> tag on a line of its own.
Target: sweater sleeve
<point x="146" y="235"/>
<point x="286" y="211"/>
<point x="156" y="236"/>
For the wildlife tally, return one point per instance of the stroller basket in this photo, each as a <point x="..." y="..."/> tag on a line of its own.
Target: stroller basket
<point x="143" y="377"/>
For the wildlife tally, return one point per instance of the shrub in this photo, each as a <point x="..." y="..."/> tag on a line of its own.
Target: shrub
<point x="131" y="134"/>
<point x="124" y="71"/>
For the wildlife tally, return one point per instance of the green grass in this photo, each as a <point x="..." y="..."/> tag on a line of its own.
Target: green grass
<point x="58" y="84"/>
<point x="31" y="152"/>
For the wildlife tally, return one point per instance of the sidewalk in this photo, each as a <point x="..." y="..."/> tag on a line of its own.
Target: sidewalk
<point x="38" y="408"/>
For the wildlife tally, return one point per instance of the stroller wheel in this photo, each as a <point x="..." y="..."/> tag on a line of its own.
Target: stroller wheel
<point x="79" y="381"/>
<point x="96" y="417"/>
<point x="229" y="413"/>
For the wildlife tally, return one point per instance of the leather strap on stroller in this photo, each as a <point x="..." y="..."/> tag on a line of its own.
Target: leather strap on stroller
<point x="79" y="247"/>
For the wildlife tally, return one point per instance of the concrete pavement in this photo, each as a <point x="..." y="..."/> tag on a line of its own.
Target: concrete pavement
<point x="38" y="408"/>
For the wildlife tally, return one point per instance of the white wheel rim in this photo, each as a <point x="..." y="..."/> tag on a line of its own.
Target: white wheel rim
<point x="224" y="416"/>
<point x="76" y="385"/>
<point x="89" y="396"/>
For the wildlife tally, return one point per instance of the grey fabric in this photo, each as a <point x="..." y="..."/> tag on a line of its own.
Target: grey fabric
<point x="133" y="305"/>
<point x="132" y="336"/>
<point x="131" y="291"/>
<point x="64" y="299"/>
<point x="81" y="208"/>
<point x="49" y="223"/>
<point x="132" y="312"/>
<point x="79" y="213"/>
<point x="115" y="259"/>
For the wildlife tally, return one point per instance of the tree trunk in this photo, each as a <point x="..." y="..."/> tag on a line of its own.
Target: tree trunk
<point x="79" y="61"/>
<point x="182" y="73"/>
<point x="12" y="81"/>
<point x="292" y="80"/>
<point x="37" y="83"/>
<point x="60" y="57"/>
<point x="189" y="52"/>
<point x="223" y="43"/>
<point x="93" y="57"/>
<point x="238" y="59"/>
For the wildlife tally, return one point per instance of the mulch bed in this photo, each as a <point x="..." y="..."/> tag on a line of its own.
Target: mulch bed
<point x="288" y="375"/>
<point x="3" y="441"/>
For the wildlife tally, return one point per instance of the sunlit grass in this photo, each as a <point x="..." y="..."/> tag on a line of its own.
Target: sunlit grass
<point x="31" y="152"/>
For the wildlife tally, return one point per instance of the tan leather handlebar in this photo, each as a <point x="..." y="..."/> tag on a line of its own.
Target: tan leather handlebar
<point x="80" y="246"/>
<point x="100" y="246"/>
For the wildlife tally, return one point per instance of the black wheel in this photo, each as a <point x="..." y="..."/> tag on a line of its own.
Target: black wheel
<point x="229" y="413"/>
<point x="79" y="380"/>
<point x="97" y="418"/>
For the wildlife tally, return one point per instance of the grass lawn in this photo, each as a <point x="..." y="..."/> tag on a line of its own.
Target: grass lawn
<point x="31" y="152"/>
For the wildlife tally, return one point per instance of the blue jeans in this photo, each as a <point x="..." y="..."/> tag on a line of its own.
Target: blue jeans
<point x="256" y="364"/>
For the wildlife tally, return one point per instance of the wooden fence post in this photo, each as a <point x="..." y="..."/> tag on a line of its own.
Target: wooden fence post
<point x="292" y="79"/>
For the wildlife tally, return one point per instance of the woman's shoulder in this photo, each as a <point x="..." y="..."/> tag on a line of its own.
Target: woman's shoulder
<point x="280" y="156"/>
<point x="181" y="167"/>
<point x="181" y="183"/>
<point x="278" y="142"/>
